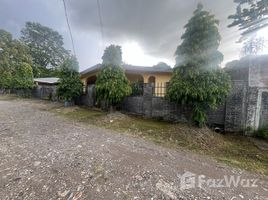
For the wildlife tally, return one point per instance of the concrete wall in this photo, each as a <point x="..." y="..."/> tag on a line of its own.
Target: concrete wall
<point x="235" y="108"/>
<point x="247" y="103"/>
<point x="160" y="108"/>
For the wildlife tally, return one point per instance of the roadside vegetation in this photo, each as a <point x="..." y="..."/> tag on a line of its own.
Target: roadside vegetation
<point x="262" y="133"/>
<point x="198" y="80"/>
<point x="112" y="85"/>
<point x="235" y="150"/>
<point x="70" y="85"/>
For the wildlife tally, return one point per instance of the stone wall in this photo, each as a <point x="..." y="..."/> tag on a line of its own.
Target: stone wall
<point x="247" y="104"/>
<point x="235" y="108"/>
<point x="133" y="105"/>
<point x="158" y="107"/>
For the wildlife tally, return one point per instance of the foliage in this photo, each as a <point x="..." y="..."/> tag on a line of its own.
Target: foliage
<point x="112" y="86"/>
<point x="137" y="88"/>
<point x="200" y="41"/>
<point x="15" y="63"/>
<point x="69" y="65"/>
<point x="202" y="90"/>
<point x="5" y="80"/>
<point x="250" y="16"/>
<point x="5" y="38"/>
<point x="39" y="71"/>
<point x="45" y="44"/>
<point x="112" y="55"/>
<point x="70" y="85"/>
<point x="253" y="46"/>
<point x="197" y="80"/>
<point x="263" y="133"/>
<point x="23" y="77"/>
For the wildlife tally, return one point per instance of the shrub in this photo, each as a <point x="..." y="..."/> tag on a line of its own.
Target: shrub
<point x="198" y="80"/>
<point x="201" y="90"/>
<point x="23" y="77"/>
<point x="112" y="85"/>
<point x="262" y="133"/>
<point x="70" y="85"/>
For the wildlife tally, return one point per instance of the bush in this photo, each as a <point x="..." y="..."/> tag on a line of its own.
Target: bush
<point x="202" y="90"/>
<point x="112" y="85"/>
<point x="23" y="77"/>
<point x="70" y="85"/>
<point x="262" y="133"/>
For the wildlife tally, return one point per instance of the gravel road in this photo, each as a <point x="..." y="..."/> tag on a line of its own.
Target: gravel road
<point x="45" y="156"/>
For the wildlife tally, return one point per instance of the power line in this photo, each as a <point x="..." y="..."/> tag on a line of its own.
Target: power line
<point x="101" y="23"/>
<point x="69" y="27"/>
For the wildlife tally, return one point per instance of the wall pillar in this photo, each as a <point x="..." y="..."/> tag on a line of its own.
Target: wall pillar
<point x="147" y="99"/>
<point x="235" y="108"/>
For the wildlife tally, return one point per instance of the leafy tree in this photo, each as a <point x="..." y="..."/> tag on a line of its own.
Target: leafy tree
<point x="112" y="86"/>
<point x="5" y="73"/>
<point x="5" y="38"/>
<point x="23" y="77"/>
<point x="201" y="90"/>
<point x="197" y="80"/>
<point x="15" y="63"/>
<point x="112" y="55"/>
<point x="253" y="46"/>
<point x="46" y="45"/>
<point x="5" y="80"/>
<point x="250" y="15"/>
<point x="70" y="85"/>
<point x="200" y="41"/>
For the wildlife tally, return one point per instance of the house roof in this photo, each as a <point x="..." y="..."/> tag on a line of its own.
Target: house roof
<point x="50" y="80"/>
<point x="246" y="61"/>
<point x="131" y="68"/>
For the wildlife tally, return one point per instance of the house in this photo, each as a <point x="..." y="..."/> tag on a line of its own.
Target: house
<point x="159" y="74"/>
<point x="45" y="88"/>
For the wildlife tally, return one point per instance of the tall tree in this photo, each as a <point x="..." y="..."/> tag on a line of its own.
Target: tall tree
<point x="197" y="80"/>
<point x="200" y="41"/>
<point x="15" y="63"/>
<point x="112" y="85"/>
<point x="250" y="16"/>
<point x="70" y="85"/>
<point x="253" y="46"/>
<point x="112" y="55"/>
<point x="45" y="44"/>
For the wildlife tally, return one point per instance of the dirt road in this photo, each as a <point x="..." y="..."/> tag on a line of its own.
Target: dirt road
<point x="44" y="156"/>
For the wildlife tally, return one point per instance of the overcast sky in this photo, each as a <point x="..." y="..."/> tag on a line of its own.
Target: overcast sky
<point x="148" y="30"/>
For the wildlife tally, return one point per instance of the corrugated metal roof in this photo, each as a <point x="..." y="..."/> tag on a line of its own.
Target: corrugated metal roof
<point x="50" y="80"/>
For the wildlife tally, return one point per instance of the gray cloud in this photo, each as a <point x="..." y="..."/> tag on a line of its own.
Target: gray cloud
<point x="155" y="24"/>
